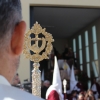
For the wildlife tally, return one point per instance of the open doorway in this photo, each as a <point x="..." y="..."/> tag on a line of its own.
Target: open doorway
<point x="65" y="24"/>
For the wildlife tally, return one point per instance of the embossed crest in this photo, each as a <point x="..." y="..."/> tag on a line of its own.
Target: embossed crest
<point x="46" y="40"/>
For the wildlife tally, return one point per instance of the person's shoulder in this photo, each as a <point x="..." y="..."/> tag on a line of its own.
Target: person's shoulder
<point x="12" y="93"/>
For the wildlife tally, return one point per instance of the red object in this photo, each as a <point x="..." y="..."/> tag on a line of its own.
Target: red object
<point x="53" y="95"/>
<point x="65" y="96"/>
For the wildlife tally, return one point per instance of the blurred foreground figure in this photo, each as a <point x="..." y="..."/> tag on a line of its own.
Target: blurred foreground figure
<point x="81" y="96"/>
<point x="89" y="95"/>
<point x="12" y="31"/>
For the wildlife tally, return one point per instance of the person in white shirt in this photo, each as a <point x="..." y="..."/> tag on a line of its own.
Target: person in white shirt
<point x="12" y="30"/>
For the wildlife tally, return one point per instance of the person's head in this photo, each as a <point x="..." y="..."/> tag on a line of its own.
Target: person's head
<point x="70" y="50"/>
<point x="94" y="80"/>
<point x="85" y="92"/>
<point x="12" y="30"/>
<point x="81" y="96"/>
<point x="76" y="71"/>
<point x="90" y="92"/>
<point x="46" y="83"/>
<point x="74" y="93"/>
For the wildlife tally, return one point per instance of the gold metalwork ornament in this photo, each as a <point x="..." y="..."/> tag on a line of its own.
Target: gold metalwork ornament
<point x="46" y="43"/>
<point x="36" y="57"/>
<point x="36" y="80"/>
<point x="64" y="84"/>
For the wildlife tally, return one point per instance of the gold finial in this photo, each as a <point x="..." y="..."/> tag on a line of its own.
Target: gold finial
<point x="36" y="57"/>
<point x="64" y="84"/>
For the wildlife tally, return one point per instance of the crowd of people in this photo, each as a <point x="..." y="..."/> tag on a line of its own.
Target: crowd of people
<point x="80" y="89"/>
<point x="82" y="95"/>
<point x="78" y="92"/>
<point x="77" y="81"/>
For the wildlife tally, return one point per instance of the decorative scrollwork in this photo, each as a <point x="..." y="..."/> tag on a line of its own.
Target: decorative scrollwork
<point x="47" y="39"/>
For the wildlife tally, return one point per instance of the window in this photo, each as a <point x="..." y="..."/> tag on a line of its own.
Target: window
<point x="94" y="43"/>
<point x="89" y="84"/>
<point x="95" y="52"/>
<point x="87" y="57"/>
<point x="86" y="38"/>
<point x="80" y="42"/>
<point x="81" y="67"/>
<point x="94" y="34"/>
<point x="87" y="54"/>
<point x="80" y="52"/>
<point x="88" y="70"/>
<point x="87" y="47"/>
<point x="80" y="56"/>
<point x="74" y="47"/>
<point x="94" y="69"/>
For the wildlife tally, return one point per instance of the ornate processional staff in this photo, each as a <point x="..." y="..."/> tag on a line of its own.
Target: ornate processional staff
<point x="65" y="84"/>
<point x="47" y="40"/>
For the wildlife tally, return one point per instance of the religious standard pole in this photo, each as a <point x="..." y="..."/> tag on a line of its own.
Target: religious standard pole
<point x="36" y="57"/>
<point x="65" y="92"/>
